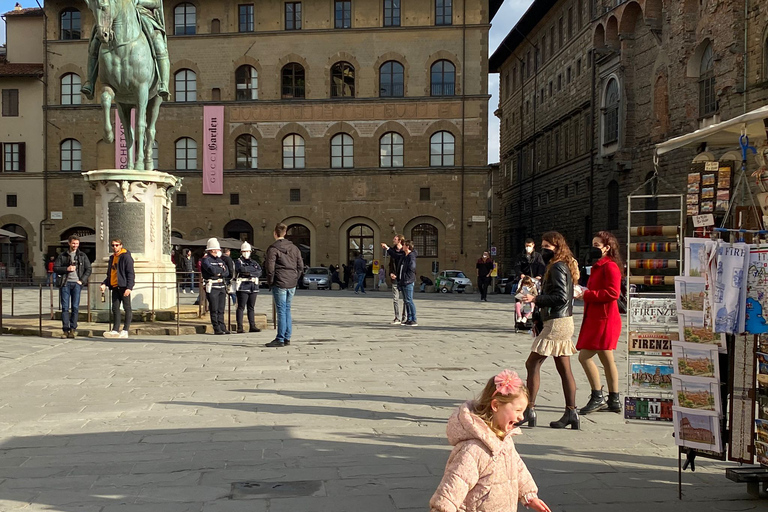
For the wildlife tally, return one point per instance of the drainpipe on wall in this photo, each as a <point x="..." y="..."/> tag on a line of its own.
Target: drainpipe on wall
<point x="463" y="112"/>
<point x="45" y="131"/>
<point x="593" y="150"/>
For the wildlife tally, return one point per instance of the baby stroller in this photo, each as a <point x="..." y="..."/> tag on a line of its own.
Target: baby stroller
<point x="528" y="311"/>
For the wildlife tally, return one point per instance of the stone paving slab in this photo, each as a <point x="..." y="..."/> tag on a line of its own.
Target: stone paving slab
<point x="169" y="423"/>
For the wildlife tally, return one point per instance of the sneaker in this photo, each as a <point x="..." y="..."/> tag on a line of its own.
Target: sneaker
<point x="254" y="329"/>
<point x="275" y="343"/>
<point x="123" y="334"/>
<point x="411" y="323"/>
<point x="287" y="342"/>
<point x="111" y="334"/>
<point x="70" y="334"/>
<point x="519" y="319"/>
<point x="396" y="322"/>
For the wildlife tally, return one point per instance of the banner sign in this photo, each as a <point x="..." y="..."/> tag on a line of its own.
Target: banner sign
<point x="121" y="149"/>
<point x="213" y="154"/>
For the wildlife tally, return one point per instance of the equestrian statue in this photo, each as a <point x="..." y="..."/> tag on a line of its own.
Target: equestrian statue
<point x="128" y="52"/>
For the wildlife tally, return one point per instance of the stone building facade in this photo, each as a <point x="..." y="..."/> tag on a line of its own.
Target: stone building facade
<point x="641" y="72"/>
<point x="348" y="121"/>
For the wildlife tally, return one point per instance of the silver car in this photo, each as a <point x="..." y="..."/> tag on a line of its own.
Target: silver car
<point x="319" y="275"/>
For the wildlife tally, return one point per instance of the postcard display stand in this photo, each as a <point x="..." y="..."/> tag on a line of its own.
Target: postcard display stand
<point x="654" y="260"/>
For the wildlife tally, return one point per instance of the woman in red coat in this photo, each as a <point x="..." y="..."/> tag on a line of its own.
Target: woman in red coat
<point x="601" y="326"/>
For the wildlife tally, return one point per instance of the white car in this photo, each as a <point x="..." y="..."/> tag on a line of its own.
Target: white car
<point x="319" y="275"/>
<point x="457" y="276"/>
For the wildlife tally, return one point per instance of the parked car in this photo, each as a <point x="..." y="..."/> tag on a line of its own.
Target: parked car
<point x="450" y="280"/>
<point x="319" y="275"/>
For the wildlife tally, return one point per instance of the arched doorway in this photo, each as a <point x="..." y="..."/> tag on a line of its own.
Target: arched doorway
<point x="239" y="230"/>
<point x="360" y="239"/>
<point x="14" y="255"/>
<point x="300" y="236"/>
<point x="88" y="246"/>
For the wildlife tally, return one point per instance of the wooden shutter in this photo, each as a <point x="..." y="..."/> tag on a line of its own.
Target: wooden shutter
<point x="22" y="156"/>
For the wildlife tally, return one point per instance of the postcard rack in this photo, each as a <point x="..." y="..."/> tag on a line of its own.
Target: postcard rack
<point x="654" y="258"/>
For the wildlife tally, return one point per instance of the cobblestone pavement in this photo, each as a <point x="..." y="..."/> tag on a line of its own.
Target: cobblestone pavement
<point x="350" y="417"/>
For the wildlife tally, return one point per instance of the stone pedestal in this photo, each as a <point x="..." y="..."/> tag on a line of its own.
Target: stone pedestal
<point x="135" y="206"/>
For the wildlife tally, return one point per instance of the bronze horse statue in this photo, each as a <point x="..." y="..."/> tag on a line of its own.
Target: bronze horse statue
<point x="129" y="76"/>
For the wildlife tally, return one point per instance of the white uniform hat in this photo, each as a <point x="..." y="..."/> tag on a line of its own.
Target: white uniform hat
<point x="213" y="244"/>
<point x="245" y="247"/>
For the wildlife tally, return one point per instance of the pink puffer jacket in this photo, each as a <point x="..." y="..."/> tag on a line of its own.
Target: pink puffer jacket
<point x="483" y="473"/>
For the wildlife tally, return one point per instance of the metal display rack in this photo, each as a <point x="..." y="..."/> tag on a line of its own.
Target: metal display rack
<point x="654" y="258"/>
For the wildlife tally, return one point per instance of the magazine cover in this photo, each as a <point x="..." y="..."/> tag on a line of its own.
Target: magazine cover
<point x="696" y="362"/>
<point x="652" y="343"/>
<point x="697" y="429"/>
<point x="690" y="293"/>
<point x="756" y="300"/>
<point x="649" y="409"/>
<point x="693" y="393"/>
<point x="652" y="312"/>
<point x="695" y="257"/>
<point x="652" y="376"/>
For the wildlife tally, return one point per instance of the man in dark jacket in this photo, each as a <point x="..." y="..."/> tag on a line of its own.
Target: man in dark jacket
<point x="396" y="256"/>
<point x="406" y="280"/>
<point x="187" y="268"/>
<point x="215" y="273"/>
<point x="529" y="263"/>
<point x="361" y="267"/>
<point x="73" y="269"/>
<point x="284" y="268"/>
<point x="120" y="280"/>
<point x="484" y="269"/>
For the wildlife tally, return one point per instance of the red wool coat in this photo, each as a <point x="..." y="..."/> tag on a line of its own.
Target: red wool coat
<point x="601" y="327"/>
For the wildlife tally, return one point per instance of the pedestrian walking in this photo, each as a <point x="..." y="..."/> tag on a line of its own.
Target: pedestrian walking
<point x="215" y="274"/>
<point x="601" y="327"/>
<point x="226" y="256"/>
<point x="187" y="267"/>
<point x="484" y="472"/>
<point x="396" y="255"/>
<point x="360" y="270"/>
<point x="50" y="278"/>
<point x="284" y="267"/>
<point x="484" y="268"/>
<point x="246" y="282"/>
<point x="555" y="304"/>
<point x="73" y="269"/>
<point x="406" y="282"/>
<point x="121" y="278"/>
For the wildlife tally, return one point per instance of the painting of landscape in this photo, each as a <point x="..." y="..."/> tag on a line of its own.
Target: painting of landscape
<point x="695" y="362"/>
<point x="696" y="394"/>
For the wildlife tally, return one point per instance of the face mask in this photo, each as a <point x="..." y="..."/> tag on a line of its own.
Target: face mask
<point x="595" y="253"/>
<point x="246" y="255"/>
<point x="547" y="254"/>
<point x="529" y="250"/>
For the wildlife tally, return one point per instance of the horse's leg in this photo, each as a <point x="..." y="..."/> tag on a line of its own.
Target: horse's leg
<point x="141" y="125"/>
<point x="106" y="104"/>
<point x="153" y="109"/>
<point x="124" y="110"/>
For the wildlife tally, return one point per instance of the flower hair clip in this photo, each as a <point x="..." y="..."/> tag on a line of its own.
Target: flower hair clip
<point x="507" y="383"/>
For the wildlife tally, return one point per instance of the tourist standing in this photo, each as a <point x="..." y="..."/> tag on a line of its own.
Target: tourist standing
<point x="360" y="270"/>
<point x="484" y="268"/>
<point x="215" y="273"/>
<point x="247" y="273"/>
<point x="121" y="278"/>
<point x="601" y="327"/>
<point x="284" y="267"/>
<point x="73" y="269"/>
<point x="396" y="255"/>
<point x="187" y="268"/>
<point x="51" y="274"/>
<point x="530" y="262"/>
<point x="555" y="304"/>
<point x="406" y="282"/>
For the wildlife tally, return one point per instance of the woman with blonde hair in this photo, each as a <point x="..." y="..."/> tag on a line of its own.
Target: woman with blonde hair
<point x="555" y="304"/>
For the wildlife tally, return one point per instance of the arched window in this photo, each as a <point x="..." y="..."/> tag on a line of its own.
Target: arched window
<point x="359" y="239"/>
<point x="293" y="151"/>
<point x="342" y="80"/>
<point x="441" y="149"/>
<point x="611" y="112"/>
<point x="246" y="152"/>
<point x="391" y="150"/>
<point x="424" y="238"/>
<point x="186" y="154"/>
<point x="239" y="230"/>
<point x="391" y="80"/>
<point x="70" y="89"/>
<point x="69" y="27"/>
<point x="707" y="99"/>
<point x="342" y="151"/>
<point x="443" y="78"/>
<point x="71" y="155"/>
<point x="186" y="85"/>
<point x="613" y="205"/>
<point x="293" y="81"/>
<point x="300" y="236"/>
<point x="247" y="80"/>
<point x="184" y="19"/>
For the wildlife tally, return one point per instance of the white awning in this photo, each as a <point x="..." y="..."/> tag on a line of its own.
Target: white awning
<point x="725" y="133"/>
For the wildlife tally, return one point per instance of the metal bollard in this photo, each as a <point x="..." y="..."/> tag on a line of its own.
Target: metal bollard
<point x="50" y="287"/>
<point x="88" y="298"/>
<point x="40" y="311"/>
<point x="1" y="308"/>
<point x="13" y="294"/>
<point x="152" y="315"/>
<point x="178" y="328"/>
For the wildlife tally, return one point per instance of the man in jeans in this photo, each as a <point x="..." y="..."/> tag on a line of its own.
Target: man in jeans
<point x="73" y="269"/>
<point x="361" y="268"/>
<point x="396" y="256"/>
<point x="284" y="268"/>
<point x="406" y="280"/>
<point x="120" y="280"/>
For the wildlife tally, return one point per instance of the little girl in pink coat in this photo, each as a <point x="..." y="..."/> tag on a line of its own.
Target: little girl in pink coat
<point x="484" y="472"/>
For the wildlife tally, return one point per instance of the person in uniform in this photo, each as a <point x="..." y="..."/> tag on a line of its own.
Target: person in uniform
<point x="215" y="272"/>
<point x="246" y="282"/>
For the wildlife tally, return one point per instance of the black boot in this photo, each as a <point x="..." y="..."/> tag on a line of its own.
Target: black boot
<point x="614" y="402"/>
<point x="529" y="416"/>
<point x="596" y="403"/>
<point x="570" y="417"/>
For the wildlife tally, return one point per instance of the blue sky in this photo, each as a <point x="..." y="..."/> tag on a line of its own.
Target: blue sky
<point x="505" y="19"/>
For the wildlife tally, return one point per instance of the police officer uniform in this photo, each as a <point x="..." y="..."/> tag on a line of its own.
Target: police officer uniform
<point x="215" y="272"/>
<point x="246" y="282"/>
